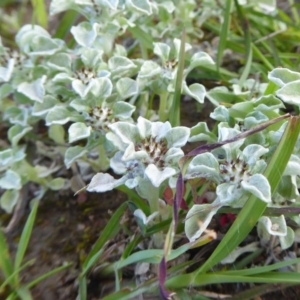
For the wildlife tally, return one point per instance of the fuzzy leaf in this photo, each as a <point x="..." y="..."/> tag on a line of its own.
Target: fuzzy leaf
<point x="142" y="6"/>
<point x="196" y="91"/>
<point x="72" y="154"/>
<point x="156" y="176"/>
<point x="162" y="50"/>
<point x="85" y="33"/>
<point x="58" y="115"/>
<point x="197" y="220"/>
<point x="119" y="64"/>
<point x="282" y="76"/>
<point x="42" y="108"/>
<point x="16" y="132"/>
<point x="103" y="182"/>
<point x="34" y="90"/>
<point x="123" y="110"/>
<point x="259" y="186"/>
<point x="10" y="181"/>
<point x="78" y="131"/>
<point x="127" y="87"/>
<point x="290" y="93"/>
<point x="177" y="136"/>
<point x="200" y="133"/>
<point x="8" y="200"/>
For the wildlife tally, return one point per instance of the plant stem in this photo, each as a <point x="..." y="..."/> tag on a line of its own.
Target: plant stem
<point x="163" y="112"/>
<point x="153" y="199"/>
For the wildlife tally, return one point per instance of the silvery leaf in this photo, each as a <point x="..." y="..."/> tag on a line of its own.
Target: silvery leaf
<point x="60" y="62"/>
<point x="119" y="64"/>
<point x="142" y="6"/>
<point x="149" y="69"/>
<point x="146" y="220"/>
<point x="162" y="50"/>
<point x="220" y="114"/>
<point x="102" y="87"/>
<point x="274" y="225"/>
<point x="127" y="132"/>
<point x="17" y="115"/>
<point x="16" y="132"/>
<point x="127" y="87"/>
<point x="58" y="115"/>
<point x="85" y="33"/>
<point x="156" y="176"/>
<point x="200" y="133"/>
<point x="72" y="154"/>
<point x="123" y="110"/>
<point x="200" y="59"/>
<point x="34" y="90"/>
<point x="288" y="240"/>
<point x="78" y="131"/>
<point x="6" y="72"/>
<point x="195" y="90"/>
<point x="203" y="165"/>
<point x="252" y="153"/>
<point x="9" y="199"/>
<point x="282" y="76"/>
<point x="41" y="109"/>
<point x="268" y="103"/>
<point x="168" y="6"/>
<point x="228" y="193"/>
<point x="231" y="258"/>
<point x="177" y="136"/>
<point x="10" y="181"/>
<point x="197" y="220"/>
<point x="293" y="166"/>
<point x="290" y="93"/>
<point x="103" y="182"/>
<point x="259" y="186"/>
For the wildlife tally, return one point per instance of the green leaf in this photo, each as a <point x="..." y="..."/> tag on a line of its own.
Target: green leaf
<point x="110" y="230"/>
<point x="26" y="233"/>
<point x="56" y="184"/>
<point x="224" y="32"/>
<point x="40" y="12"/>
<point x="9" y="199"/>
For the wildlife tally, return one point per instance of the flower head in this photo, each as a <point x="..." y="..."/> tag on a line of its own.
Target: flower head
<point x="146" y="150"/>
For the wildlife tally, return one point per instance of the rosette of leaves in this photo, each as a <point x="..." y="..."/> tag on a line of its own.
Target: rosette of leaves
<point x="147" y="150"/>
<point x="235" y="171"/>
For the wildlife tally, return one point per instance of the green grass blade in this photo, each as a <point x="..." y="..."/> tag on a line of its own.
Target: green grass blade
<point x="9" y="278"/>
<point x="24" y="240"/>
<point x="186" y="280"/>
<point x="224" y="33"/>
<point x="254" y="207"/>
<point x="175" y="109"/>
<point x="6" y="265"/>
<point x="40" y="12"/>
<point x="65" y="24"/>
<point x="110" y="230"/>
<point x="82" y="288"/>
<point x="47" y="275"/>
<point x="247" y="35"/>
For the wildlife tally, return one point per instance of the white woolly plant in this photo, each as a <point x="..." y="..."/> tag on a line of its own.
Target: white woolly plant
<point x="147" y="157"/>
